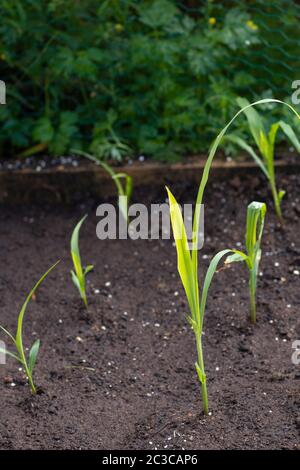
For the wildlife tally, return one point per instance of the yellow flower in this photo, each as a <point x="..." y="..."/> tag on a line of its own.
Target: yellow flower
<point x="119" y="27"/>
<point x="212" y="21"/>
<point x="2" y="56"/>
<point x="252" y="25"/>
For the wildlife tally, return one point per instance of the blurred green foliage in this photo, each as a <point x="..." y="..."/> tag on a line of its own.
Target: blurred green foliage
<point x="121" y="77"/>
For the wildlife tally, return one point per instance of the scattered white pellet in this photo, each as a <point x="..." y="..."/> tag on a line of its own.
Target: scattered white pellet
<point x="276" y="264"/>
<point x="107" y="284"/>
<point x="103" y="327"/>
<point x="296" y="272"/>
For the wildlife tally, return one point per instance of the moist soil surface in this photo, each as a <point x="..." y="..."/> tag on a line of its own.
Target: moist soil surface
<point x="121" y="374"/>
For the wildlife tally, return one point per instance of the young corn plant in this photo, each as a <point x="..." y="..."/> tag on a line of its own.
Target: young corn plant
<point x="79" y="274"/>
<point x="17" y="340"/>
<point x="188" y="275"/>
<point x="124" y="188"/>
<point x="187" y="260"/>
<point x="265" y="142"/>
<point x="256" y="213"/>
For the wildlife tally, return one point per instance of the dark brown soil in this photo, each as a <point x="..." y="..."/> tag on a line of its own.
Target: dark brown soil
<point x="121" y="375"/>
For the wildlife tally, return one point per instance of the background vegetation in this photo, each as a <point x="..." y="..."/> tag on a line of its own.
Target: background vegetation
<point x="130" y="77"/>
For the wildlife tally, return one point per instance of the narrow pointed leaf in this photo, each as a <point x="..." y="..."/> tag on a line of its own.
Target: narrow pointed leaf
<point x="243" y="145"/>
<point x="33" y="354"/>
<point x="8" y="334"/>
<point x="75" y="247"/>
<point x="254" y="120"/>
<point x="88" y="269"/>
<point x="19" y="343"/>
<point x="184" y="262"/>
<point x="289" y="132"/>
<point x="4" y="351"/>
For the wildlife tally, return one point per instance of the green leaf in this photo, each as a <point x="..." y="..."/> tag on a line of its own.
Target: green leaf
<point x="254" y="120"/>
<point x="88" y="269"/>
<point x="4" y="351"/>
<point x="243" y="145"/>
<point x="128" y="187"/>
<point x="201" y="374"/>
<point x="184" y="262"/>
<point x="235" y="258"/>
<point x="75" y="253"/>
<point x="19" y="342"/>
<point x="75" y="280"/>
<point x="255" y="223"/>
<point x="8" y="334"/>
<point x="272" y="134"/>
<point x="289" y="132"/>
<point x="33" y="354"/>
<point x="281" y="195"/>
<point x="43" y="130"/>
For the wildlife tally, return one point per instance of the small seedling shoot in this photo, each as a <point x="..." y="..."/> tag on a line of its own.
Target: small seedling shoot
<point x="254" y="229"/>
<point x="124" y="189"/>
<point x="79" y="273"/>
<point x="265" y="141"/>
<point x="17" y="340"/>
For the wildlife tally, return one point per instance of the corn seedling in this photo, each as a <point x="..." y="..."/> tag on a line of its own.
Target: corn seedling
<point x="189" y="281"/>
<point x="265" y="141"/>
<point x="254" y="229"/>
<point x="124" y="190"/>
<point x="187" y="260"/>
<point x="17" y="340"/>
<point x="79" y="274"/>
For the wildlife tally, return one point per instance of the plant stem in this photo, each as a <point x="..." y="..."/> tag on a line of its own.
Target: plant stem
<point x="203" y="381"/>
<point x="252" y="285"/>
<point x="29" y="376"/>
<point x="276" y="200"/>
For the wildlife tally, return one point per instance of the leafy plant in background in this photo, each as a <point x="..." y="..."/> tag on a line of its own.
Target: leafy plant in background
<point x="187" y="261"/>
<point x="254" y="229"/>
<point x="121" y="77"/>
<point x="27" y="363"/>
<point x="124" y="191"/>
<point x="265" y="141"/>
<point x="79" y="274"/>
<point x="106" y="145"/>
